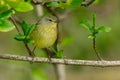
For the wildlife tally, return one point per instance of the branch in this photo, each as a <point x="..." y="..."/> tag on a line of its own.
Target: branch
<point x="43" y="2"/>
<point x="86" y="3"/>
<point x="62" y="61"/>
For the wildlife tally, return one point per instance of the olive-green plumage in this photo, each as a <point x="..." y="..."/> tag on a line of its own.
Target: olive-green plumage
<point x="45" y="33"/>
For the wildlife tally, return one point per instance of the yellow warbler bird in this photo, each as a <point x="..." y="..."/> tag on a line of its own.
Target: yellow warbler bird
<point x="45" y="33"/>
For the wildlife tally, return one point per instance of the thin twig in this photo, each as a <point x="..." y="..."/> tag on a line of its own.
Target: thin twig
<point x="86" y="3"/>
<point x="43" y="2"/>
<point x="28" y="49"/>
<point x="95" y="49"/>
<point x="61" y="61"/>
<point x="94" y="39"/>
<point x="14" y="22"/>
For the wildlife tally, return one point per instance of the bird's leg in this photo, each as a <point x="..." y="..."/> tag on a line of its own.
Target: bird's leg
<point x="49" y="53"/>
<point x="32" y="54"/>
<point x="33" y="51"/>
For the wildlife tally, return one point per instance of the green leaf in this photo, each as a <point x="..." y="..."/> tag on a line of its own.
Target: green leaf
<point x="7" y="14"/>
<point x="91" y="36"/>
<point x="23" y="7"/>
<point x="24" y="26"/>
<point x="67" y="41"/>
<point x="3" y="6"/>
<point x="53" y="4"/>
<point x="86" y="24"/>
<point x="66" y="4"/>
<point x="62" y="5"/>
<point x="103" y="29"/>
<point x="6" y="25"/>
<point x="75" y="3"/>
<point x="20" y="37"/>
<point x="69" y="2"/>
<point x="97" y="1"/>
<point x="56" y="4"/>
<point x="38" y="74"/>
<point x="30" y="41"/>
<point x="13" y="3"/>
<point x="27" y="28"/>
<point x="59" y="54"/>
<point x="31" y="27"/>
<point x="28" y="1"/>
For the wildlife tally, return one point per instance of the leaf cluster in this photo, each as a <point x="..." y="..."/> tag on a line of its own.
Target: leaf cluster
<point x="27" y="29"/>
<point x="92" y="28"/>
<point x="9" y="7"/>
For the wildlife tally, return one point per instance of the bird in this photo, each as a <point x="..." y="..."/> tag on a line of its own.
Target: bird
<point x="45" y="33"/>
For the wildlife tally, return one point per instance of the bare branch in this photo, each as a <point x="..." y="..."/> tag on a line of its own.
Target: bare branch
<point x="14" y="22"/>
<point x="62" y="61"/>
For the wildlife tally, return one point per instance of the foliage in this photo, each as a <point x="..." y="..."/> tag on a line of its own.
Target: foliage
<point x="9" y="7"/>
<point x="37" y="74"/>
<point x="5" y="24"/>
<point x="92" y="28"/>
<point x="27" y="29"/>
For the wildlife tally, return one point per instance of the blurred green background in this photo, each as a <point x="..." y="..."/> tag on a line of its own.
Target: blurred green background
<point x="80" y="47"/>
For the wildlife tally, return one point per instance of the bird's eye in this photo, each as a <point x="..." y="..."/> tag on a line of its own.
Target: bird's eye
<point x="49" y="19"/>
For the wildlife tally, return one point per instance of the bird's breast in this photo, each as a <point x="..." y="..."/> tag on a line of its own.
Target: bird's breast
<point x="44" y="35"/>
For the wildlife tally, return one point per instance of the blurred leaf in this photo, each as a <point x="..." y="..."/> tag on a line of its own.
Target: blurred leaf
<point x="86" y="24"/>
<point x="7" y="14"/>
<point x="91" y="36"/>
<point x="6" y="25"/>
<point x="28" y="1"/>
<point x="3" y="9"/>
<point x="3" y="6"/>
<point x="13" y="3"/>
<point x="23" y="7"/>
<point x="2" y="2"/>
<point x="67" y="41"/>
<point x="37" y="74"/>
<point x="75" y="3"/>
<point x="97" y="1"/>
<point x="59" y="54"/>
<point x="94" y="19"/>
<point x="20" y="37"/>
<point x="69" y="2"/>
<point x="53" y="4"/>
<point x="62" y="5"/>
<point x="103" y="29"/>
